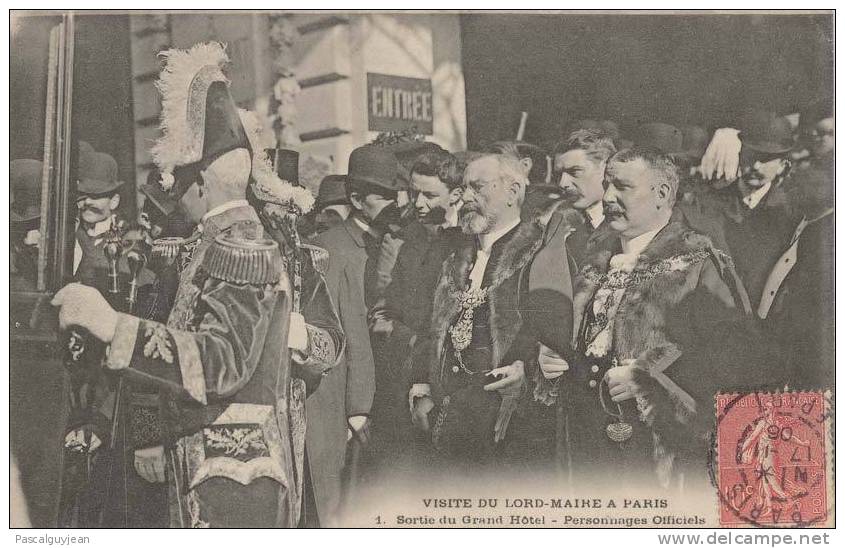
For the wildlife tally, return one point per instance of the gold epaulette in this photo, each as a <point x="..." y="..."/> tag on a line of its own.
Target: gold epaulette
<point x="244" y="261"/>
<point x="167" y="248"/>
<point x="319" y="257"/>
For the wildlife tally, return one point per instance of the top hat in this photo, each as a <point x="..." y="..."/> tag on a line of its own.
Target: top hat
<point x="374" y="165"/>
<point x="97" y="174"/>
<point x="286" y="163"/>
<point x="25" y="184"/>
<point x="332" y="191"/>
<point x="765" y="132"/>
<point x="156" y="195"/>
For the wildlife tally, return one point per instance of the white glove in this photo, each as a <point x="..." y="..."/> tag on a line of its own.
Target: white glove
<point x="149" y="463"/>
<point x="721" y="159"/>
<point x="297" y="333"/>
<point x="85" y="307"/>
<point x="75" y="440"/>
<point x="552" y="365"/>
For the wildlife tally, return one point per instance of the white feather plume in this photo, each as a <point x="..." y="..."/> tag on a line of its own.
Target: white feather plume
<point x="181" y="66"/>
<point x="267" y="185"/>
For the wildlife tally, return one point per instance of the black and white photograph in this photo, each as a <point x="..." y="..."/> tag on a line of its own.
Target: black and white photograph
<point x="421" y="269"/>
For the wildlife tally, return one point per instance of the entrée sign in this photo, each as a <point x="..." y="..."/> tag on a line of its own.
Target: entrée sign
<point x="397" y="103"/>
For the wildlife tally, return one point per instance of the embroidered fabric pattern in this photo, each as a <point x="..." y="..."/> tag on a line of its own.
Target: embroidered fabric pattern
<point x="194" y="510"/>
<point x="437" y="430"/>
<point x="158" y="343"/>
<point x="145" y="426"/>
<point x="297" y="429"/>
<point x="461" y="332"/>
<point x="244" y="442"/>
<point x="320" y="345"/>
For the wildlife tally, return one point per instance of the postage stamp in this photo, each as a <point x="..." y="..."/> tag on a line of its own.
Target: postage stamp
<point x="774" y="459"/>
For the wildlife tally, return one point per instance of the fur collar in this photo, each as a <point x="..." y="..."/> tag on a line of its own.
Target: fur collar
<point x="505" y="319"/>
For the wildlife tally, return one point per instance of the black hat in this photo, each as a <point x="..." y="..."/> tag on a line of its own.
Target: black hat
<point x="332" y="191"/>
<point x="223" y="129"/>
<point x="766" y="132"/>
<point x="156" y="195"/>
<point x="97" y="174"/>
<point x="25" y="184"/>
<point x="374" y="165"/>
<point x="407" y="153"/>
<point x="663" y="137"/>
<point x="696" y="140"/>
<point x="199" y="119"/>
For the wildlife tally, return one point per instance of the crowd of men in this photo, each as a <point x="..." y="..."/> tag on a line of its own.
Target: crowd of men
<point x="572" y="309"/>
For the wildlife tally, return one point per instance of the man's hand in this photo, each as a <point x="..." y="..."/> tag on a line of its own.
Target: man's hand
<point x="721" y="159"/>
<point x="419" y="414"/>
<point x="83" y="306"/>
<point x="628" y="381"/>
<point x="512" y="378"/>
<point x="82" y="440"/>
<point x="552" y="365"/>
<point x="359" y="428"/>
<point x="149" y="463"/>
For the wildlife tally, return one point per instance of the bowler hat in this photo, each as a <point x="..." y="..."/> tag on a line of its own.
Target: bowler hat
<point x="374" y="165"/>
<point x="663" y="137"/>
<point x="696" y="140"/>
<point x="766" y="132"/>
<point x="332" y="191"/>
<point x="25" y="184"/>
<point x="97" y="174"/>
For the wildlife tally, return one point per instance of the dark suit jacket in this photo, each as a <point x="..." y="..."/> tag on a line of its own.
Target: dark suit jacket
<point x="348" y="389"/>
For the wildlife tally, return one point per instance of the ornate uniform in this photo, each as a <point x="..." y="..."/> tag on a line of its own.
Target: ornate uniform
<point x="224" y="369"/>
<point x="221" y="360"/>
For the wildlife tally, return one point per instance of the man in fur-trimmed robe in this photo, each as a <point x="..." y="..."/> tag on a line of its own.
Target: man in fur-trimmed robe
<point x="660" y="327"/>
<point x="476" y="348"/>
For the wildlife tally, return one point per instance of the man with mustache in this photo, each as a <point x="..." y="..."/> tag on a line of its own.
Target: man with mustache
<point x="98" y="199"/>
<point x="753" y="213"/>
<point x="659" y="320"/>
<point x="476" y="346"/>
<point x="579" y="165"/>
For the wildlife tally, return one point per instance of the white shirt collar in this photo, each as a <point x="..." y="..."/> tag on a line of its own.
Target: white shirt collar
<point x="222" y="208"/>
<point x="753" y="198"/>
<point x="637" y="244"/>
<point x="595" y="214"/>
<point x="486" y="241"/>
<point x="100" y="228"/>
<point x="364" y="226"/>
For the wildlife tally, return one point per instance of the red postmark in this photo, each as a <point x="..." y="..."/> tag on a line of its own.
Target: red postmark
<point x="772" y="459"/>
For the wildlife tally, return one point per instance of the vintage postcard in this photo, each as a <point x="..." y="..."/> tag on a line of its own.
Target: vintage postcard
<point x="422" y="269"/>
